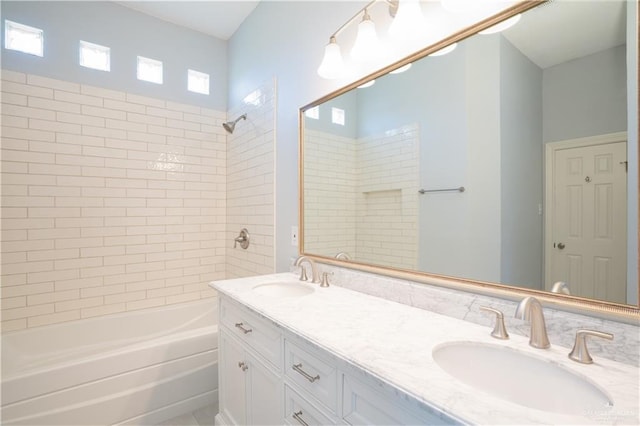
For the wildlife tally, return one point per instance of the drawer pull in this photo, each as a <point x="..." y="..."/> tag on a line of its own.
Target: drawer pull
<point x="298" y="417"/>
<point x="243" y="365"/>
<point x="244" y="330"/>
<point x="309" y="377"/>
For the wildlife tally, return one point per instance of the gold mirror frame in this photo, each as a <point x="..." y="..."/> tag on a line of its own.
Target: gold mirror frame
<point x="602" y="309"/>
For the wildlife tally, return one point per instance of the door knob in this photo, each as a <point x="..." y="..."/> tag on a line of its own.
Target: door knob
<point x="561" y="246"/>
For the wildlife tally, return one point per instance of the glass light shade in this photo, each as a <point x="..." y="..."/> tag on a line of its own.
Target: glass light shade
<point x="502" y="25"/>
<point x="409" y="23"/>
<point x="332" y="65"/>
<point x="365" y="48"/>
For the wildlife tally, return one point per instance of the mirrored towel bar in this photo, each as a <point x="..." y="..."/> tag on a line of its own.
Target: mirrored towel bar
<point x="459" y="189"/>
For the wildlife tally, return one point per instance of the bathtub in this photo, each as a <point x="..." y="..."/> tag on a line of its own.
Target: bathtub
<point x="140" y="367"/>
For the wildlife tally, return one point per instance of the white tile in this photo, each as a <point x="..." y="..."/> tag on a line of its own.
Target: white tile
<point x="36" y="80"/>
<point x="96" y="218"/>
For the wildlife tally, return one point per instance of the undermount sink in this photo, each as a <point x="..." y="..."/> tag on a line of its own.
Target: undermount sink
<point x="520" y="378"/>
<point x="282" y="289"/>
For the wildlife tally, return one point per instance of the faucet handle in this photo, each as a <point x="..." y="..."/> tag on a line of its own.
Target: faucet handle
<point x="325" y="279"/>
<point x="580" y="352"/>
<point x="303" y="274"/>
<point x="499" y="330"/>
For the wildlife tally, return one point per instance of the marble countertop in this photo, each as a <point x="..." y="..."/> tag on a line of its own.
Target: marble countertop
<point x="394" y="342"/>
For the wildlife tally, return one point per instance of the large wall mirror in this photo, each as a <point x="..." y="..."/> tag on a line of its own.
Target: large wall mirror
<point x="501" y="162"/>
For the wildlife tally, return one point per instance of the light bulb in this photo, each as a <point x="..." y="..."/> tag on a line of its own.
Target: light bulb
<point x="332" y="65"/>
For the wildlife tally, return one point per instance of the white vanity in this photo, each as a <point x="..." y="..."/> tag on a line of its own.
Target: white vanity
<point x="295" y="353"/>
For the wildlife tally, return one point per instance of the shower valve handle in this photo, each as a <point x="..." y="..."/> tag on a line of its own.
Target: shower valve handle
<point x="243" y="239"/>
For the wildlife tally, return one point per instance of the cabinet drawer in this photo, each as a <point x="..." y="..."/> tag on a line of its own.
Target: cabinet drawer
<point x="312" y="374"/>
<point x="261" y="336"/>
<point x="300" y="412"/>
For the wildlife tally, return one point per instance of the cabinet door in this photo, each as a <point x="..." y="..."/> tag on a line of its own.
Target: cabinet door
<point x="264" y="394"/>
<point x="362" y="404"/>
<point x="232" y="379"/>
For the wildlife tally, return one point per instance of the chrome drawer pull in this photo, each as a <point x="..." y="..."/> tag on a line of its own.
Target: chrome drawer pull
<point x="309" y="377"/>
<point x="298" y="417"/>
<point x="244" y="330"/>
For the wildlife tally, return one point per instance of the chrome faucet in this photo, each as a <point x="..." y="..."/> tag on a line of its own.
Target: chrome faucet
<point x="303" y="274"/>
<point x="530" y="309"/>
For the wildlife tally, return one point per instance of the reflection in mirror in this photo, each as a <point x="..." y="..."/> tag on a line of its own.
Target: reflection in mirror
<point x="531" y="123"/>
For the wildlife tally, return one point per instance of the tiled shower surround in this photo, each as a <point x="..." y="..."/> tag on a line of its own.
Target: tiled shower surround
<point x="110" y="201"/>
<point x="369" y="189"/>
<point x="250" y="183"/>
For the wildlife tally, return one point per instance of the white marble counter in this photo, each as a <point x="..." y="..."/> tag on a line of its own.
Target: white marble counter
<point x="394" y="342"/>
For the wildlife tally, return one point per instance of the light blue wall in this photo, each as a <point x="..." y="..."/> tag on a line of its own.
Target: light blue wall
<point x="522" y="168"/>
<point x="348" y="102"/>
<point x="128" y="33"/>
<point x="632" y="153"/>
<point x="286" y="40"/>
<point x="586" y="96"/>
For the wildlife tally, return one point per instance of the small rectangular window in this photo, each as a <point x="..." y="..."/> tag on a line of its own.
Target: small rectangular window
<point x="95" y="56"/>
<point x="149" y="70"/>
<point x="313" y="112"/>
<point x="337" y="116"/>
<point x="23" y="38"/>
<point x="198" y="82"/>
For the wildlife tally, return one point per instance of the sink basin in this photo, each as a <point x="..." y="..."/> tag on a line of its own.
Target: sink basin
<point x="280" y="289"/>
<point x="520" y="378"/>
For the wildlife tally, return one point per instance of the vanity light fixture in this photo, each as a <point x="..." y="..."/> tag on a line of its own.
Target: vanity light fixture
<point x="408" y="29"/>
<point x="408" y="22"/>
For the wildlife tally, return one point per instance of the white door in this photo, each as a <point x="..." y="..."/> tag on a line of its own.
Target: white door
<point x="588" y="220"/>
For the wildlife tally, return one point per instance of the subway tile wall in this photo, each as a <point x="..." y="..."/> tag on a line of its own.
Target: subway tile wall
<point x="251" y="184"/>
<point x="361" y="196"/>
<point x="330" y="185"/>
<point x="110" y="201"/>
<point x="388" y="184"/>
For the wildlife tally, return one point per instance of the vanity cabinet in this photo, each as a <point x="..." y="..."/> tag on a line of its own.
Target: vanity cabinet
<point x="269" y="375"/>
<point x="249" y="376"/>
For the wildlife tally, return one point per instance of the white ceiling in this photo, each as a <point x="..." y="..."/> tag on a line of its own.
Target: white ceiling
<point x="218" y="18"/>
<point x="560" y="31"/>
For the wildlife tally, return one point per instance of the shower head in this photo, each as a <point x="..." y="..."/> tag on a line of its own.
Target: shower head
<point x="230" y="125"/>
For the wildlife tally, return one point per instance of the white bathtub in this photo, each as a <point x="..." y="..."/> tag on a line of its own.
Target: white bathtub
<point x="138" y="367"/>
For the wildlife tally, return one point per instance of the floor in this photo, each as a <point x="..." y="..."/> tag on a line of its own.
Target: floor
<point x="201" y="417"/>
